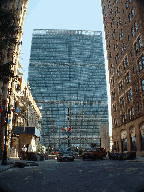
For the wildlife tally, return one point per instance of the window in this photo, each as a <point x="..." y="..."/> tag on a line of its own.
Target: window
<point x="118" y="73"/>
<point x="130" y="94"/>
<point x="113" y="94"/>
<point x="121" y="50"/>
<point x="121" y="86"/>
<point x="132" y="11"/>
<point x="111" y="25"/>
<point x="128" y="37"/>
<point x="129" y="17"/>
<point x="136" y="26"/>
<point x="120" y="20"/>
<point x="122" y="101"/>
<point x="116" y="59"/>
<point x="117" y="25"/>
<point x="116" y="43"/>
<point x="116" y="14"/>
<point x="126" y="24"/>
<point x="113" y="36"/>
<point x="140" y="65"/>
<point x="120" y="69"/>
<point x="127" y="5"/>
<point x="132" y="30"/>
<point x="124" y="64"/>
<point x="134" y="70"/>
<point x="129" y="113"/>
<point x="120" y="37"/>
<point x="122" y="33"/>
<point x="127" y="60"/>
<point x="136" y="47"/>
<point x="109" y="45"/>
<point x="113" y="21"/>
<point x="143" y="85"/>
<point x="129" y="1"/>
<point x="140" y="42"/>
<point x="124" y="46"/>
<point x="118" y="10"/>
<point x="114" y="47"/>
<point x="131" y="53"/>
<point x="127" y="78"/>
<point x="132" y="111"/>
<point x="143" y="60"/>
<point x="118" y="56"/>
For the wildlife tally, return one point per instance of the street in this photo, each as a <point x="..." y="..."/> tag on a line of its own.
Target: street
<point x="52" y="176"/>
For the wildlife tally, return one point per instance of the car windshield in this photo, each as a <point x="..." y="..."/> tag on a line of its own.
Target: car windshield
<point x="90" y="149"/>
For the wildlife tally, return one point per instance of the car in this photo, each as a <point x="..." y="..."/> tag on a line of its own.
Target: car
<point x="94" y="153"/>
<point x="65" y="156"/>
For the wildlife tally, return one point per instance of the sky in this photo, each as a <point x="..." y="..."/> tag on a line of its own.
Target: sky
<point x="62" y="14"/>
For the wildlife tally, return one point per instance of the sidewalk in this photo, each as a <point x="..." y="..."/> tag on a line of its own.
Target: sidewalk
<point x="138" y="159"/>
<point x="11" y="163"/>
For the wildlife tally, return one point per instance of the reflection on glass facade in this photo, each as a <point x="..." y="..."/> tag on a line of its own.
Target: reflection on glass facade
<point x="67" y="70"/>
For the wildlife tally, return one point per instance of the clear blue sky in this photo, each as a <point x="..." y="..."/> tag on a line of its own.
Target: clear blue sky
<point x="60" y="14"/>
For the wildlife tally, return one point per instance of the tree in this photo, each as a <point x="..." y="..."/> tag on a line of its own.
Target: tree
<point x="8" y="40"/>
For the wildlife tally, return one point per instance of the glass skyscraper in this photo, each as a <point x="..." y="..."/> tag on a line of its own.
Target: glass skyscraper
<point x="67" y="72"/>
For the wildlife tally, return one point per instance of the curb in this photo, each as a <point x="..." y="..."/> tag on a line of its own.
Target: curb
<point x="7" y="168"/>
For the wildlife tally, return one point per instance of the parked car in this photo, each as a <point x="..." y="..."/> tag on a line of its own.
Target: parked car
<point x="94" y="153"/>
<point x="65" y="156"/>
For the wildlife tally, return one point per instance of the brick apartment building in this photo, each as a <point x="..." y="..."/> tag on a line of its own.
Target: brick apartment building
<point x="124" y="34"/>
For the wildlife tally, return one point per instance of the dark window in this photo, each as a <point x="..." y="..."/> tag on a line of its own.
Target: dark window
<point x="126" y="60"/>
<point x="118" y="56"/>
<point x="129" y="17"/>
<point x="143" y="84"/>
<point x="113" y="21"/>
<point x="121" y="50"/>
<point x="127" y="5"/>
<point x="124" y="46"/>
<point x="132" y="30"/>
<point x="140" y="42"/>
<point x="136" y="26"/>
<point x="140" y="65"/>
<point x="122" y="33"/>
<point x="130" y="94"/>
<point x="120" y="20"/>
<point x="120" y="37"/>
<point x="132" y="11"/>
<point x="136" y="47"/>
<point x="143" y="60"/>
<point x="124" y="64"/>
<point x="117" y="25"/>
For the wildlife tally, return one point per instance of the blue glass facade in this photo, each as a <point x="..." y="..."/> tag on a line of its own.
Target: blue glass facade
<point x="67" y="70"/>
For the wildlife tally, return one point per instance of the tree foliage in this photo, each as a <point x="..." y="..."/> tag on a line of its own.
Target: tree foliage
<point x="8" y="38"/>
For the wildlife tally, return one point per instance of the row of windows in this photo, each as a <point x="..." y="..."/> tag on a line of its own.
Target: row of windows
<point x="130" y="114"/>
<point x="129" y="98"/>
<point x="133" y="30"/>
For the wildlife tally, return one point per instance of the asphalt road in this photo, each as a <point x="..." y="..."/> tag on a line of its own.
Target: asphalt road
<point x="78" y="176"/>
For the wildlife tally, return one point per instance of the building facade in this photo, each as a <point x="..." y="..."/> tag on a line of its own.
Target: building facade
<point x="67" y="80"/>
<point x="124" y="34"/>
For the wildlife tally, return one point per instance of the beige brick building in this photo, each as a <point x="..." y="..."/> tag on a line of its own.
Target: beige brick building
<point x="124" y="34"/>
